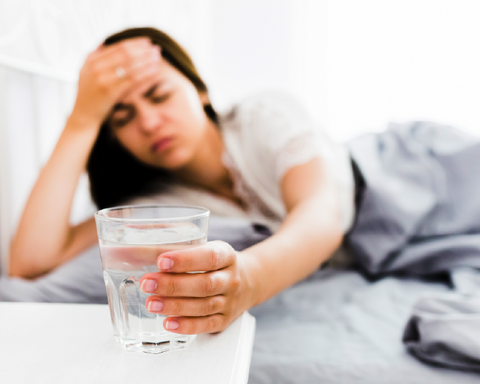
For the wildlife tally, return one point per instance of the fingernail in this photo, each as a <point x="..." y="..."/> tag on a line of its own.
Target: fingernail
<point x="149" y="285"/>
<point x="171" y="324"/>
<point x="165" y="264"/>
<point x="155" y="306"/>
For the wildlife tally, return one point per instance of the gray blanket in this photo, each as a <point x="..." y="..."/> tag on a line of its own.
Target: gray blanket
<point x="419" y="215"/>
<point x="420" y="210"/>
<point x="337" y="327"/>
<point x="444" y="329"/>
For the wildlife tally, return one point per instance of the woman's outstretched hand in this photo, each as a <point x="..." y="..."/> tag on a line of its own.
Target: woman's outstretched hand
<point x="109" y="73"/>
<point x="199" y="302"/>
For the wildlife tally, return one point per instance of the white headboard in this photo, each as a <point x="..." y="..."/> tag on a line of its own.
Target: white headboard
<point x="33" y="111"/>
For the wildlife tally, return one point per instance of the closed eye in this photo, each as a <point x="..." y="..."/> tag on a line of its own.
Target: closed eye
<point x="121" y="115"/>
<point x="160" y="98"/>
<point x="156" y="94"/>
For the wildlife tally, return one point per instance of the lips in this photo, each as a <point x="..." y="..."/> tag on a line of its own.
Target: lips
<point x="161" y="144"/>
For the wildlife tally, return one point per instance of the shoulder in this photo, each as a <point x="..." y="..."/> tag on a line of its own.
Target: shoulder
<point x="267" y="117"/>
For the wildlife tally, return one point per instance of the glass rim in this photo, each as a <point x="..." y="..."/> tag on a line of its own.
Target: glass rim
<point x="101" y="214"/>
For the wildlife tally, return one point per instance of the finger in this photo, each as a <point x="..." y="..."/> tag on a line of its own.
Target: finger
<point x="143" y="78"/>
<point x="130" y="61"/>
<point x="144" y="75"/>
<point x="105" y="50"/>
<point x="125" y="54"/>
<point x="212" y="256"/>
<point x="117" y="88"/>
<point x="186" y="306"/>
<point x="104" y="72"/>
<point x="104" y="53"/>
<point x="195" y="325"/>
<point x="186" y="284"/>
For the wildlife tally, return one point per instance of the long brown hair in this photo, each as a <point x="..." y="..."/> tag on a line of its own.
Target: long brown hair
<point x="115" y="174"/>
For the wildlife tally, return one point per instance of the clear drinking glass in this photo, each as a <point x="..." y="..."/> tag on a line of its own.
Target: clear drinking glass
<point x="131" y="238"/>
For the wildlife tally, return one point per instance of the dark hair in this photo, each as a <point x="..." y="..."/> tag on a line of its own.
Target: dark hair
<point x="115" y="174"/>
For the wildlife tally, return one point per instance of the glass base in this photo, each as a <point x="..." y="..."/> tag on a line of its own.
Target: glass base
<point x="155" y="347"/>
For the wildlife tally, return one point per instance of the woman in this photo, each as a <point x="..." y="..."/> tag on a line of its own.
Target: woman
<point x="142" y="114"/>
<point x="143" y="123"/>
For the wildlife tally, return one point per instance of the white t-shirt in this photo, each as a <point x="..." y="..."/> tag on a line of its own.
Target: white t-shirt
<point x="265" y="136"/>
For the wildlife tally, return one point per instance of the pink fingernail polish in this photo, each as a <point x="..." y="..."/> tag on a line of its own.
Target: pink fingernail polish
<point x="149" y="285"/>
<point x="155" y="306"/>
<point x="165" y="264"/>
<point x="171" y="324"/>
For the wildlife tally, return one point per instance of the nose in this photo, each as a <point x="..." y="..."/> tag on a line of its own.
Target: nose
<point x="149" y="118"/>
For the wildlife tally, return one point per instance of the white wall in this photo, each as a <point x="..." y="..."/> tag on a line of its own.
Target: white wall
<point x="403" y="59"/>
<point x="251" y="52"/>
<point x="356" y="64"/>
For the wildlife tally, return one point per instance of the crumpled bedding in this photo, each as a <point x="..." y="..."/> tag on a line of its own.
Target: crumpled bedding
<point x="420" y="209"/>
<point x="444" y="329"/>
<point x="338" y="327"/>
<point x="419" y="215"/>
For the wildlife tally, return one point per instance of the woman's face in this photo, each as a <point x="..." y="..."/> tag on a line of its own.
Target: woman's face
<point x="162" y="124"/>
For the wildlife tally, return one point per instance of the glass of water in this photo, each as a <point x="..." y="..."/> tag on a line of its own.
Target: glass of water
<point x="131" y="238"/>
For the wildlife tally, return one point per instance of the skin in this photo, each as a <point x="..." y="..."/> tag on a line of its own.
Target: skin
<point x="157" y="114"/>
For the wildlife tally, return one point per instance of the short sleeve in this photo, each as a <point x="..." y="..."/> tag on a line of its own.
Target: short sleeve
<point x="269" y="134"/>
<point x="280" y="134"/>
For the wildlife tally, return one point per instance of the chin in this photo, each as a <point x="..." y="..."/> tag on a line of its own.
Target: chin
<point x="173" y="162"/>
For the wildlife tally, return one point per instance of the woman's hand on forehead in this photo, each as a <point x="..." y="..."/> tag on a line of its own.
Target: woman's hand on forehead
<point x="110" y="73"/>
<point x="130" y="54"/>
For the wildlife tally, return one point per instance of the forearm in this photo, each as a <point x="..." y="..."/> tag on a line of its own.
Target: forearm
<point x="44" y="233"/>
<point x="307" y="238"/>
<point x="44" y="237"/>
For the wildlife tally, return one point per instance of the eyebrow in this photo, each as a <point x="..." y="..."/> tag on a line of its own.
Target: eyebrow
<point x="120" y="107"/>
<point x="149" y="93"/>
<point x="152" y="90"/>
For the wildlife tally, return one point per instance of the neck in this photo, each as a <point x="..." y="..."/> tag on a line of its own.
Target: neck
<point x="206" y="169"/>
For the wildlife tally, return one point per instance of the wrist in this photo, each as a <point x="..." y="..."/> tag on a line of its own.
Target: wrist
<point x="78" y="137"/>
<point x="80" y="121"/>
<point x="252" y="278"/>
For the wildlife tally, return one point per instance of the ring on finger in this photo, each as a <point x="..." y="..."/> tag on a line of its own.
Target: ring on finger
<point x="120" y="72"/>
